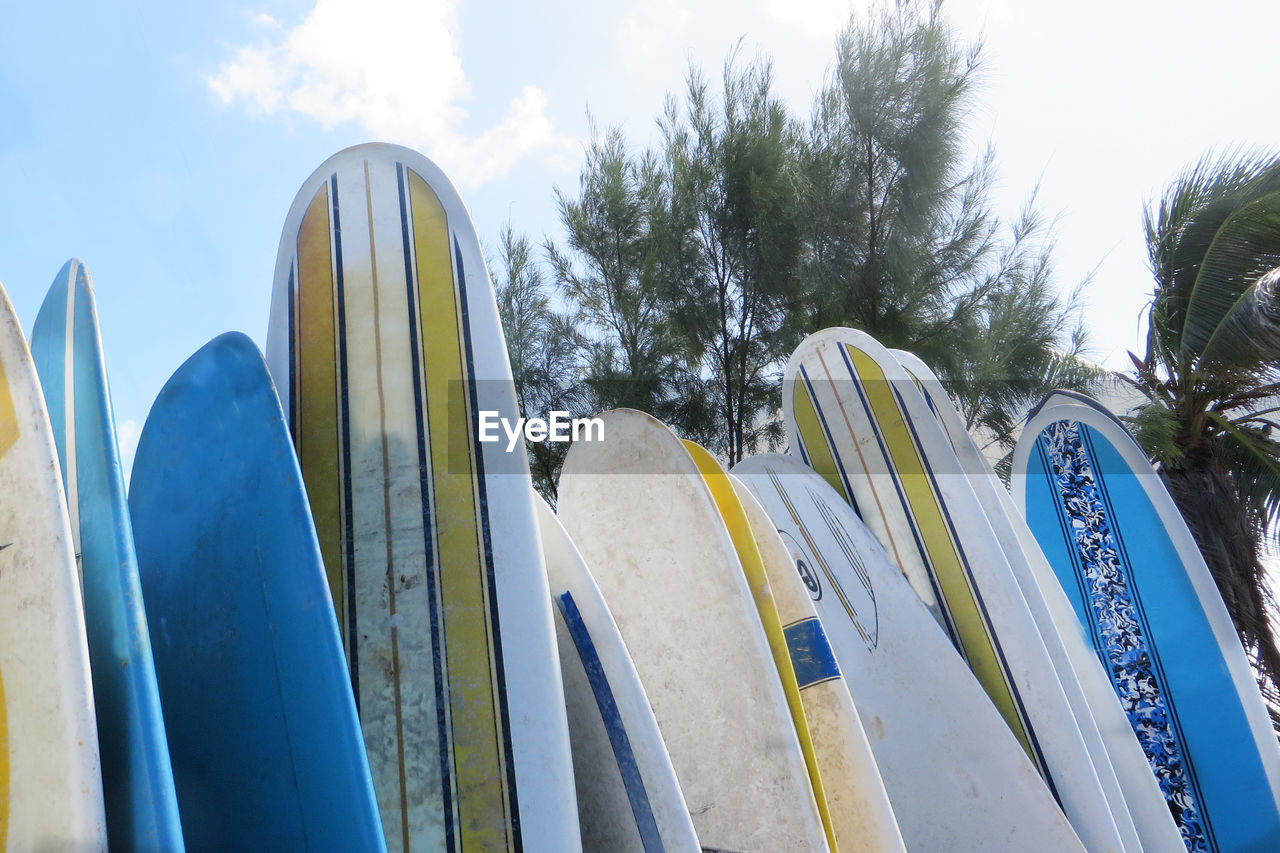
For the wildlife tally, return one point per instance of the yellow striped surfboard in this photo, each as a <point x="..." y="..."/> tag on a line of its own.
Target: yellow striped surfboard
<point x="861" y="816"/>
<point x="738" y="527"/>
<point x="875" y="435"/>
<point x="385" y="346"/>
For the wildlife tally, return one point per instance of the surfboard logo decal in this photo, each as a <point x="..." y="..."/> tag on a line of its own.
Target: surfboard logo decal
<point x="807" y="575"/>
<point x="867" y="625"/>
<point x="641" y="809"/>
<point x="1118" y="628"/>
<point x="811" y="654"/>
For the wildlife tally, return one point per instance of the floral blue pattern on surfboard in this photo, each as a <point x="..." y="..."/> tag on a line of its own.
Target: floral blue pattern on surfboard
<point x="1143" y="595"/>
<point x="1119" y="626"/>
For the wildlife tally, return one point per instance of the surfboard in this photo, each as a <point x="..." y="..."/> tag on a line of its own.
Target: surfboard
<point x="1140" y="588"/>
<point x="50" y="784"/>
<point x="735" y="521"/>
<point x="140" y="800"/>
<point x="386" y="347"/>
<point x="955" y="775"/>
<point x="1136" y="801"/>
<point x="629" y="799"/>
<point x="860" y="814"/>
<point x="263" y="735"/>
<point x="643" y="519"/>
<point x="854" y="413"/>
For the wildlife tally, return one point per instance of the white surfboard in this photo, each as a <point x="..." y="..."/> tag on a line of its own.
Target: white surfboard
<point x="861" y="815"/>
<point x="855" y="412"/>
<point x="50" y="782"/>
<point x="1116" y="753"/>
<point x="387" y="351"/>
<point x="644" y="521"/>
<point x="629" y="800"/>
<point x="955" y="775"/>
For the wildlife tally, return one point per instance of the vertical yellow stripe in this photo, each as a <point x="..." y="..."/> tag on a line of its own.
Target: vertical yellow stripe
<point x="942" y="552"/>
<point x="483" y="810"/>
<point x="815" y="438"/>
<point x="317" y="378"/>
<point x="744" y="543"/>
<point x="8" y="417"/>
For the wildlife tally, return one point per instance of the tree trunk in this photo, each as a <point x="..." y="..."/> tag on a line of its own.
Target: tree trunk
<point x="1210" y="504"/>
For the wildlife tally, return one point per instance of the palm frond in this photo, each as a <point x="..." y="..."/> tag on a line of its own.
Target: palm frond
<point x="1249" y="333"/>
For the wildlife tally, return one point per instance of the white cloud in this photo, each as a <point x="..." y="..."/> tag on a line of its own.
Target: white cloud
<point x="653" y="28"/>
<point x="820" y="19"/>
<point x="393" y="67"/>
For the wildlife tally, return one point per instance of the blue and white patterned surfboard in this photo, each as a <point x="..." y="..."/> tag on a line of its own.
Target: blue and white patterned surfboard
<point x="1140" y="587"/>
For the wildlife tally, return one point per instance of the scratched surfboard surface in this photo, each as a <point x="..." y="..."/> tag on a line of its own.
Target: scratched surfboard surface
<point x="141" y="803"/>
<point x="385" y="346"/>
<point x="50" y="785"/>
<point x="644" y="520"/>
<point x="629" y="800"/>
<point x="1140" y="588"/>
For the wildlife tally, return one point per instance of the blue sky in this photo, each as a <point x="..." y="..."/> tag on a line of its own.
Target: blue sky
<point x="163" y="142"/>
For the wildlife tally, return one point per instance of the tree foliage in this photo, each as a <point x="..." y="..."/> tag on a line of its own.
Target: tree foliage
<point x="1211" y="375"/>
<point x="691" y="270"/>
<point x="734" y="242"/>
<point x="545" y="348"/>
<point x="901" y="240"/>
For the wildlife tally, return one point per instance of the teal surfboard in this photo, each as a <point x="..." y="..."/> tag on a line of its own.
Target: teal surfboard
<point x="137" y="780"/>
<point x="266" y="748"/>
<point x="1141" y="589"/>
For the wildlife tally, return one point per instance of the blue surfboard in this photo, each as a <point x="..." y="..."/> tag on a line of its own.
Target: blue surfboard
<point x="266" y="747"/>
<point x="1140" y="587"/>
<point x="137" y="780"/>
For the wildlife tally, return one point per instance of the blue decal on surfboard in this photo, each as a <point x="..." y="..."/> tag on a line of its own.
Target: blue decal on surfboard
<point x="811" y="653"/>
<point x="627" y="767"/>
<point x="1119" y="625"/>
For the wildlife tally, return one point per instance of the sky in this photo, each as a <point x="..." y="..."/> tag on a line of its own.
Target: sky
<point x="162" y="142"/>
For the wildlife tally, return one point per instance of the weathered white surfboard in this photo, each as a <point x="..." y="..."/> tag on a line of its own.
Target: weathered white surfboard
<point x="955" y="775"/>
<point x="385" y="345"/>
<point x="861" y="816"/>
<point x="1140" y="587"/>
<point x="734" y="519"/>
<point x="855" y="413"/>
<point x="628" y="796"/>
<point x="644" y="521"/>
<point x="1116" y="754"/>
<point x="50" y="782"/>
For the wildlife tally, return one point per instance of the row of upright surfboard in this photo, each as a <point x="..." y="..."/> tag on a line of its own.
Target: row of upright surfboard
<point x="866" y="645"/>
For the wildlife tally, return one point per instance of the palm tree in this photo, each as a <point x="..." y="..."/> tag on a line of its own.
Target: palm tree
<point x="1211" y="376"/>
